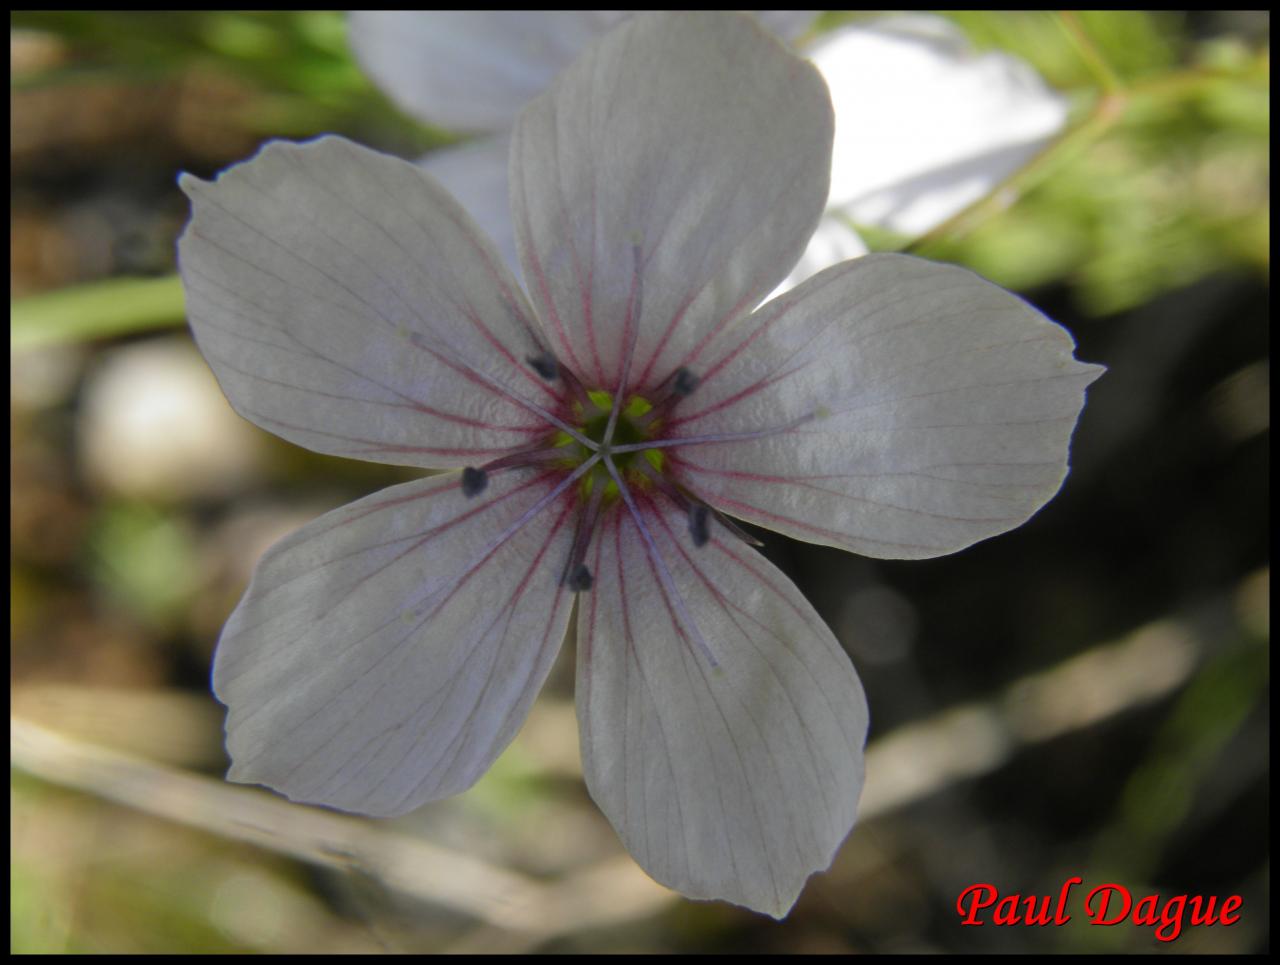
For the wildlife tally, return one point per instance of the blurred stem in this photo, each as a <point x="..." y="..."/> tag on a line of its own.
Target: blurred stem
<point x="101" y="309"/>
<point x="1068" y="145"/>
<point x="1089" y="52"/>
<point x="610" y="892"/>
<point x="1107" y="111"/>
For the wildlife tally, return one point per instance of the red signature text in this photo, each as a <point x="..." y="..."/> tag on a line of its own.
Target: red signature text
<point x="1106" y="904"/>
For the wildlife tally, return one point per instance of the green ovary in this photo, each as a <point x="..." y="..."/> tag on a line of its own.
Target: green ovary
<point x="625" y="433"/>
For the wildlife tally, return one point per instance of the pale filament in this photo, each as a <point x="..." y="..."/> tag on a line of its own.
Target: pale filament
<point x="715" y="437"/>
<point x="416" y="339"/>
<point x="664" y="575"/>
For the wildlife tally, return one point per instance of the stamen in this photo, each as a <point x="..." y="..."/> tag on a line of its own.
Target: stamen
<point x="586" y="525"/>
<point x="545" y="365"/>
<point x="734" y="528"/>
<point x="685" y="382"/>
<point x="678" y="385"/>
<point x="576" y="389"/>
<point x="699" y="524"/>
<point x="700" y="514"/>
<point x="580" y="580"/>
<point x="415" y="338"/>
<point x="717" y="437"/>
<point x="435" y="590"/>
<point x="666" y="486"/>
<point x="533" y="510"/>
<point x="664" y="574"/>
<point x="525" y="457"/>
<point x="474" y="481"/>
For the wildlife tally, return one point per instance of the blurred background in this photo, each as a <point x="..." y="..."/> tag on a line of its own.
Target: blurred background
<point x="1085" y="696"/>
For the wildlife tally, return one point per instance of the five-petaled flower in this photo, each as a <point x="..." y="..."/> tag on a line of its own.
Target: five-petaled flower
<point x="605" y="427"/>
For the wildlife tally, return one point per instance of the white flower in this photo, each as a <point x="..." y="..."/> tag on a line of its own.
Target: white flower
<point x="924" y="126"/>
<point x="385" y="654"/>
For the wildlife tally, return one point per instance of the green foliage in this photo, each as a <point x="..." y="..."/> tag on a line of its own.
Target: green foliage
<point x="133" y="895"/>
<point x="1162" y="178"/>
<point x="117" y="306"/>
<point x="298" y="62"/>
<point x="1171" y="185"/>
<point x="1135" y="43"/>
<point x="283" y="50"/>
<point x="143" y="559"/>
<point x="1178" y="190"/>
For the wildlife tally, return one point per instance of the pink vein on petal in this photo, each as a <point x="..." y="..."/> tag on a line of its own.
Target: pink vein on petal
<point x="420" y="540"/>
<point x="655" y="557"/>
<point x="437" y="596"/>
<point x="535" y="264"/>
<point x="416" y="338"/>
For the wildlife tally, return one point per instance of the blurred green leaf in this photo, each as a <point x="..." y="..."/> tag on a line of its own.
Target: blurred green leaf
<point x="1178" y="189"/>
<point x="298" y="61"/>
<point x="144" y="558"/>
<point x="1135" y="43"/>
<point x="1161" y="793"/>
<point x="118" y="306"/>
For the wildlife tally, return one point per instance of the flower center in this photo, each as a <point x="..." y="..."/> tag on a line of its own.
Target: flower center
<point x="607" y="454"/>
<point x="629" y="429"/>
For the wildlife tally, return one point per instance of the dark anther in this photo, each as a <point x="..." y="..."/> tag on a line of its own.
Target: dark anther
<point x="580" y="579"/>
<point x="545" y="365"/>
<point x="685" y="382"/>
<point x="699" y="524"/>
<point x="737" y="530"/>
<point x="474" y="481"/>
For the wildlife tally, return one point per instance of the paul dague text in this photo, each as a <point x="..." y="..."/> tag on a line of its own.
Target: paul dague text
<point x="1106" y="904"/>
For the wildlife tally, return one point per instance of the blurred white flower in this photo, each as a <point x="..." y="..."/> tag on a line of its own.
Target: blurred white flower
<point x="924" y="126"/>
<point x="156" y="426"/>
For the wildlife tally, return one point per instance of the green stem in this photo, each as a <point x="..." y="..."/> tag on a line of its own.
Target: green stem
<point x="1097" y="63"/>
<point x="101" y="309"/>
<point x="1106" y="112"/>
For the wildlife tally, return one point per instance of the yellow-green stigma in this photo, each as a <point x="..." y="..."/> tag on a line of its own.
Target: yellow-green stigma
<point x="625" y="433"/>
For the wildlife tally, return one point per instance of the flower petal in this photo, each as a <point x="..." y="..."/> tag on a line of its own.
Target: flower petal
<point x="471" y="70"/>
<point x="891" y="406"/>
<point x="346" y="303"/>
<point x="833" y="242"/>
<point x="786" y="24"/>
<point x="667" y="182"/>
<point x="475" y="175"/>
<point x="924" y="126"/>
<point x="735" y="782"/>
<point x="387" y="652"/>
